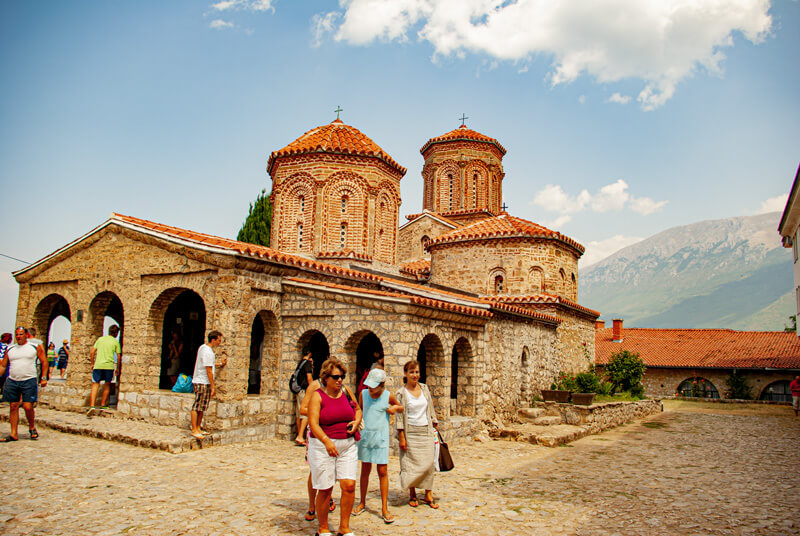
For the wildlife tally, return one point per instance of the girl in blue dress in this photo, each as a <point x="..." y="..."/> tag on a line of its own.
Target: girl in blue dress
<point x="377" y="404"/>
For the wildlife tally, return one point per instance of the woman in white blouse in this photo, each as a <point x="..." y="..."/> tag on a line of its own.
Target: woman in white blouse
<point x="415" y="431"/>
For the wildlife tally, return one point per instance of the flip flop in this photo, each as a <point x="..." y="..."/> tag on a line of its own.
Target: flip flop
<point x="356" y="512"/>
<point x="8" y="439"/>
<point x="205" y="432"/>
<point x="432" y="504"/>
<point x="310" y="516"/>
<point x="299" y="443"/>
<point x="413" y="502"/>
<point x="388" y="519"/>
<point x="198" y="437"/>
<point x="331" y="506"/>
<point x="34" y="434"/>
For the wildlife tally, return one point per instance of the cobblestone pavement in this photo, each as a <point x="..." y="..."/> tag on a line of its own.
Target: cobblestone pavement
<point x="680" y="472"/>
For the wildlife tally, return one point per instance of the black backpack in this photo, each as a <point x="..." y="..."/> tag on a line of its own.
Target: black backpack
<point x="298" y="382"/>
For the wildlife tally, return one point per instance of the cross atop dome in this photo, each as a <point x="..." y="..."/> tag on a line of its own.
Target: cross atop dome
<point x="463" y="119"/>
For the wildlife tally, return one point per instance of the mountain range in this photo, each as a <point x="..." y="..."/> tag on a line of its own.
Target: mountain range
<point x="731" y="273"/>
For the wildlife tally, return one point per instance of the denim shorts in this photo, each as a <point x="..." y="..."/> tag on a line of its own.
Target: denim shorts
<point x="102" y="375"/>
<point x="27" y="389"/>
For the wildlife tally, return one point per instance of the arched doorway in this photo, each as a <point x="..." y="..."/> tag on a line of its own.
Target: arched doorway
<point x="320" y="350"/>
<point x="106" y="310"/>
<point x="462" y="396"/>
<point x="264" y="352"/>
<point x="185" y="324"/>
<point x="47" y="311"/>
<point x="256" y="349"/>
<point x="368" y="346"/>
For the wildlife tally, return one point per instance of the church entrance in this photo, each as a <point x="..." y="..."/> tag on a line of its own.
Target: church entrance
<point x="256" y="348"/>
<point x="366" y="353"/>
<point x="183" y="331"/>
<point x="105" y="311"/>
<point x="320" y="351"/>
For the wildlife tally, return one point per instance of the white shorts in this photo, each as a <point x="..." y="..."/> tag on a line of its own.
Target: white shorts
<point x="325" y="469"/>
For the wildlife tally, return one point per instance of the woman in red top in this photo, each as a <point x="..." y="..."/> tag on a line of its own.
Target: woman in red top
<point x="333" y="417"/>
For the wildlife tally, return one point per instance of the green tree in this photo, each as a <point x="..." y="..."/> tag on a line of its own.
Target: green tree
<point x="625" y="370"/>
<point x="738" y="387"/>
<point x="257" y="225"/>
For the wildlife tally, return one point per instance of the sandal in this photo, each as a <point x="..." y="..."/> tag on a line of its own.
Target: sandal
<point x="311" y="515"/>
<point x="413" y="502"/>
<point x="388" y="518"/>
<point x="8" y="439"/>
<point x="34" y="434"/>
<point x="198" y="437"/>
<point x="433" y="504"/>
<point x="357" y="512"/>
<point x="331" y="506"/>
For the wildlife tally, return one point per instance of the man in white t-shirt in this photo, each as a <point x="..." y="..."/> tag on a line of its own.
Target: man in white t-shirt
<point x="21" y="385"/>
<point x="203" y="381"/>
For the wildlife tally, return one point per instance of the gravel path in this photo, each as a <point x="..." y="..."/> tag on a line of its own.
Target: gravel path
<point x="682" y="472"/>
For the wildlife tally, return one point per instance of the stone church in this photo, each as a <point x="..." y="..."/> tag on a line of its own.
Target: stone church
<point x="487" y="302"/>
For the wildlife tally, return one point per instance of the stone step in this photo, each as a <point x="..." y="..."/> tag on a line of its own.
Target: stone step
<point x="547" y="436"/>
<point x="530" y="414"/>
<point x="548" y="420"/>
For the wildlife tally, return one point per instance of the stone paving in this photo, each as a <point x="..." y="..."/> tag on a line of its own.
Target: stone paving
<point x="687" y="471"/>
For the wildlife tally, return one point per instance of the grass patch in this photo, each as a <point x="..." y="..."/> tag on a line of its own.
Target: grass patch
<point x="654" y="424"/>
<point x="624" y="396"/>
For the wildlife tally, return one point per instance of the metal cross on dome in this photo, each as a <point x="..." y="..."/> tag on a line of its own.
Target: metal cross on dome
<point x="463" y="118"/>
<point x="504" y="207"/>
<point x="337" y="110"/>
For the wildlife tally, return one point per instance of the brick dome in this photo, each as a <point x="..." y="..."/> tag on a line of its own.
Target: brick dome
<point x="462" y="133"/>
<point x="334" y="138"/>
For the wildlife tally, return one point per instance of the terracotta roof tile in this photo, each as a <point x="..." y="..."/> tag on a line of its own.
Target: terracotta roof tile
<point x="462" y="133"/>
<point x="437" y="215"/>
<point x="503" y="226"/>
<point x="420" y="266"/>
<point x="335" y="137"/>
<point x="703" y="348"/>
<point x="544" y="298"/>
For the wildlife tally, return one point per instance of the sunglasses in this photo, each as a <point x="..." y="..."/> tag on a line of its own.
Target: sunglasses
<point x="338" y="376"/>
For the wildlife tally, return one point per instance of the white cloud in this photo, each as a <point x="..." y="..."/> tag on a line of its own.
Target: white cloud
<point x="599" y="250"/>
<point x="611" y="197"/>
<point x="773" y="204"/>
<point x="237" y="5"/>
<point x="219" y="24"/>
<point x="619" y="99"/>
<point x="582" y="99"/>
<point x="660" y="42"/>
<point x="322" y="25"/>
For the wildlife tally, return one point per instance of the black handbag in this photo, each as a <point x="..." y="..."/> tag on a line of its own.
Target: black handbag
<point x="445" y="460"/>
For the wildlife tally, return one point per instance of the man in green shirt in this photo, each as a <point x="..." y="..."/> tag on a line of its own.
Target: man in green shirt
<point x="103" y="366"/>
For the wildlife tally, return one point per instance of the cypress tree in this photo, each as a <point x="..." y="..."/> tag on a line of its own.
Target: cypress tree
<point x="256" y="227"/>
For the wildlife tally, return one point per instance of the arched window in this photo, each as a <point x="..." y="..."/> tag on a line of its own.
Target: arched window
<point x="424" y="243"/>
<point x="474" y="190"/>
<point x="498" y="284"/>
<point x="342" y="235"/>
<point x="777" y="391"/>
<point x="344" y="204"/>
<point x="536" y="279"/>
<point x="698" y="387"/>
<point x="450" y="182"/>
<point x="302" y="202"/>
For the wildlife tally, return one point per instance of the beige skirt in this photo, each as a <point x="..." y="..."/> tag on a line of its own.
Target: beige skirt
<point x="416" y="462"/>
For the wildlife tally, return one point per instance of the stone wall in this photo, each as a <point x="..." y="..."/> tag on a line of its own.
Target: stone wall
<point x="665" y="382"/>
<point x="473" y="266"/>
<point x="599" y="417"/>
<point x="410" y="238"/>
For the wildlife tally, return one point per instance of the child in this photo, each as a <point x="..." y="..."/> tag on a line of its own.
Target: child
<point x="378" y="404"/>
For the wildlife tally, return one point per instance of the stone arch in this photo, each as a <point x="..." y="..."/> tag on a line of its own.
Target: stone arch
<point x="462" y="379"/>
<point x="476" y="188"/>
<point x="48" y="309"/>
<point x="434" y="372"/>
<point x="536" y="279"/>
<point x="385" y="240"/>
<point x="360" y="348"/>
<point x="428" y="188"/>
<point x="353" y="187"/>
<point x="177" y="312"/>
<point x="562" y="282"/>
<point x="264" y="353"/>
<point x="573" y="289"/>
<point x="298" y="202"/>
<point x="777" y="391"/>
<point x="698" y="387"/>
<point x="319" y="346"/>
<point x="448" y="180"/>
<point x="105" y="304"/>
<point x="496" y="284"/>
<point x="526" y="373"/>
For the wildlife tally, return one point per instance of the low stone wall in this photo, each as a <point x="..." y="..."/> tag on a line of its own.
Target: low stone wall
<point x="599" y="417"/>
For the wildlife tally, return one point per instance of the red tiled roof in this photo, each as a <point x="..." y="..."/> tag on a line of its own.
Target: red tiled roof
<point x="344" y="254"/>
<point x="703" y="348"/>
<point x="462" y="133"/>
<point x="419" y="267"/>
<point x="500" y="306"/>
<point x="438" y="216"/>
<point x="503" y="226"/>
<point x="337" y="138"/>
<point x="546" y="299"/>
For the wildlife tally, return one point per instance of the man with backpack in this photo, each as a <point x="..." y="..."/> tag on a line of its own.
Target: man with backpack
<point x="299" y="382"/>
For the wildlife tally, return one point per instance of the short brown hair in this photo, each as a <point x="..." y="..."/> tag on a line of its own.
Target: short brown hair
<point x="214" y="335"/>
<point x="408" y="366"/>
<point x="327" y="369"/>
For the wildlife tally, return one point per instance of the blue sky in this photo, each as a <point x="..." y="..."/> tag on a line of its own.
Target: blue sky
<point x="621" y="118"/>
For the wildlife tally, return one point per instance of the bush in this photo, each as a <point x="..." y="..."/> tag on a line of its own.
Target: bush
<point x="637" y="390"/>
<point x="605" y="388"/>
<point x="738" y="387"/>
<point x="587" y="382"/>
<point x="625" y="370"/>
<point x="566" y="382"/>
